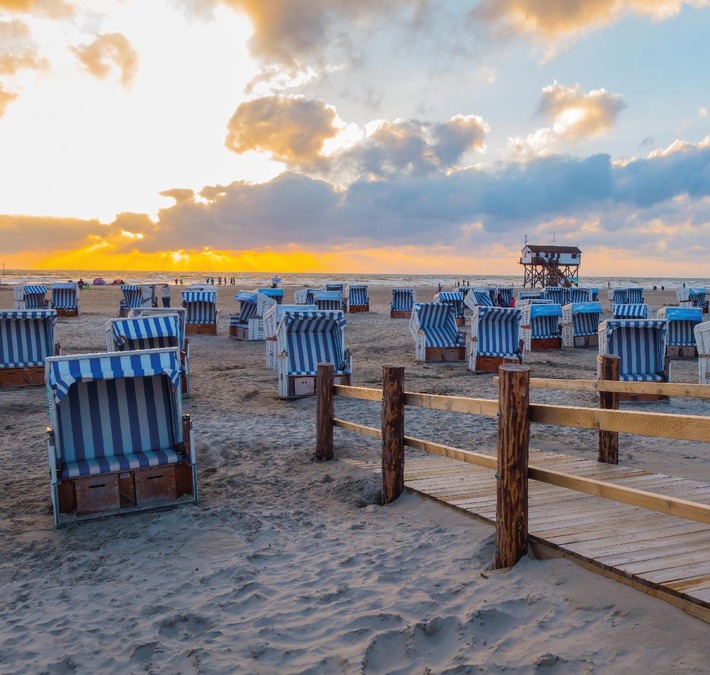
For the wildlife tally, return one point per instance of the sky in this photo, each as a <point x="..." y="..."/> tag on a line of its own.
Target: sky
<point x="407" y="136"/>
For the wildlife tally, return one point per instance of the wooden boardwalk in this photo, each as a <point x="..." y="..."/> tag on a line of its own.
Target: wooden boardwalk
<point x="662" y="555"/>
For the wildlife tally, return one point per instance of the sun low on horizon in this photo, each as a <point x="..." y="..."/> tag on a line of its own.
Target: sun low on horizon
<point x="415" y="136"/>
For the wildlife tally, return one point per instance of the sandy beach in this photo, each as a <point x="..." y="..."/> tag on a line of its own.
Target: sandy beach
<point x="290" y="565"/>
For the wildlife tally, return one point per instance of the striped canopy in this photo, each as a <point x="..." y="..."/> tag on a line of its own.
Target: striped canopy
<point x="438" y="322"/>
<point x="312" y="338"/>
<point x="640" y="346"/>
<point x="146" y="332"/>
<point x="275" y="313"/>
<point x="579" y="295"/>
<point x="64" y="296"/>
<point x="681" y="324"/>
<point x="31" y="289"/>
<point x="481" y="297"/>
<point x="162" y="311"/>
<point x="403" y="299"/>
<point x="64" y="371"/>
<point x="506" y="295"/>
<point x="33" y="295"/>
<point x="557" y="294"/>
<point x="585" y="317"/>
<point x="328" y="300"/>
<point x="201" y="306"/>
<point x="453" y="298"/>
<point x="497" y="331"/>
<point x="26" y="337"/>
<point x="630" y="311"/>
<point x="357" y="295"/>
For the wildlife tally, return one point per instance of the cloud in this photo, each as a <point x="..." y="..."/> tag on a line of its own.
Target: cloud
<point x="291" y="130"/>
<point x="17" y="48"/>
<point x="106" y="52"/>
<point x="6" y="97"/>
<point x="53" y="9"/>
<point x="560" y="17"/>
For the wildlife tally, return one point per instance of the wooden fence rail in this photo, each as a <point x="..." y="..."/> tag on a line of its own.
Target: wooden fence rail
<point x="514" y="413"/>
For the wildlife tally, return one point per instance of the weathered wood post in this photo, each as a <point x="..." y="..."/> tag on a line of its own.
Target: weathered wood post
<point x="392" y="433"/>
<point x="324" y="411"/>
<point x="609" y="440"/>
<point x="512" y="487"/>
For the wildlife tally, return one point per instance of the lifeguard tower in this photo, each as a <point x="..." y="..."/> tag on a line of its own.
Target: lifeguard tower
<point x="550" y="265"/>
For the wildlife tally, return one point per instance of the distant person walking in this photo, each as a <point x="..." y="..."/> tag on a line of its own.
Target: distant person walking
<point x="165" y="295"/>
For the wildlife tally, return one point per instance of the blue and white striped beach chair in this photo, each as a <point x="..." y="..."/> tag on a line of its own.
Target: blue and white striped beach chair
<point x="456" y="300"/>
<point x="436" y="334"/>
<point x="540" y="327"/>
<point x="577" y="295"/>
<point x="200" y="311"/>
<point x="272" y="317"/>
<point x="504" y="296"/>
<point x="558" y="295"/>
<point x="402" y="302"/>
<point x="328" y="300"/>
<point x="150" y="332"/>
<point x="478" y="297"/>
<point x="580" y="324"/>
<point x="304" y="296"/>
<point x="65" y="298"/>
<point x="530" y="295"/>
<point x="630" y="311"/>
<point x="640" y="345"/>
<point x="245" y="324"/>
<point x="702" y="341"/>
<point x="697" y="298"/>
<point x="495" y="337"/>
<point x="276" y="294"/>
<point x="358" y="298"/>
<point x="118" y="439"/>
<point x="26" y="340"/>
<point x="136" y="296"/>
<point x="680" y="335"/>
<point x="305" y="339"/>
<point x="619" y="296"/>
<point x="634" y="296"/>
<point x="30" y="296"/>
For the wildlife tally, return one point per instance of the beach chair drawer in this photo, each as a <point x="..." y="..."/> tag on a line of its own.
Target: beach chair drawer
<point x="95" y="494"/>
<point x="155" y="483"/>
<point x="304" y="386"/>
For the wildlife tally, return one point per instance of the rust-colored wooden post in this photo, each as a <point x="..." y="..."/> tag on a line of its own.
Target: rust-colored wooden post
<point x="512" y="488"/>
<point x="609" y="440"/>
<point x="324" y="411"/>
<point x="392" y="433"/>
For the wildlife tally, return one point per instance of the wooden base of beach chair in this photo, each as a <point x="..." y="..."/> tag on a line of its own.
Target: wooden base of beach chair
<point x="445" y="354"/>
<point x="201" y="329"/>
<point x="586" y="341"/>
<point x="685" y="352"/>
<point x="354" y="309"/>
<point x="488" y="364"/>
<point x="400" y="314"/>
<point x="239" y="332"/>
<point x="67" y="312"/>
<point x="300" y="386"/>
<point x="545" y="344"/>
<point x="125" y="490"/>
<point x="32" y="376"/>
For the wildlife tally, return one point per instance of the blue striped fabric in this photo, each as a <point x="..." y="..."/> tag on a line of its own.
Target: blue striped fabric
<point x="634" y="296"/>
<point x="453" y="298"/>
<point x="26" y="337"/>
<point x="328" y="300"/>
<point x="357" y="295"/>
<point x="340" y="288"/>
<point x="64" y="297"/>
<point x="275" y="293"/>
<point x="132" y="296"/>
<point x="63" y="372"/>
<point x="162" y="311"/>
<point x="681" y="325"/>
<point x="247" y="308"/>
<point x="112" y="424"/>
<point x="578" y="295"/>
<point x="697" y="296"/>
<point x="482" y="297"/>
<point x="620" y="296"/>
<point x="629" y="311"/>
<point x="313" y="338"/>
<point x="585" y="324"/>
<point x="557" y="294"/>
<point x="34" y="296"/>
<point x="506" y="295"/>
<point x="531" y="295"/>
<point x="438" y="321"/>
<point x="402" y="299"/>
<point x="498" y="331"/>
<point x="544" y="326"/>
<point x="640" y="346"/>
<point x="146" y="332"/>
<point x="200" y="306"/>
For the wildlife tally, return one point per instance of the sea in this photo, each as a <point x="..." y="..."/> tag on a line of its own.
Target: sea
<point x="251" y="280"/>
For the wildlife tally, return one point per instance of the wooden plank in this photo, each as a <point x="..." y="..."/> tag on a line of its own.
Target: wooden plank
<point x="679" y="389"/>
<point x="361" y="393"/>
<point x="359" y="428"/>
<point x="477" y="458"/>
<point x="471" y="406"/>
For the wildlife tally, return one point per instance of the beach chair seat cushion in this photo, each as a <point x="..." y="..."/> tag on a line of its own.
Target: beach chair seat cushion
<point x="137" y="460"/>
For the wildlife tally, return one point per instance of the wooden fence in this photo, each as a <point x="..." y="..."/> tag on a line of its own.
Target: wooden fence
<point x="515" y="413"/>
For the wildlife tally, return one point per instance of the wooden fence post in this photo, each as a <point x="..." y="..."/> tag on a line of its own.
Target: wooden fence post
<point x="324" y="411"/>
<point x="392" y="433"/>
<point x="609" y="440"/>
<point x="512" y="486"/>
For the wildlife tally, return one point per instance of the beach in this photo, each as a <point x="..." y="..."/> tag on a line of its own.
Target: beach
<point x="290" y="565"/>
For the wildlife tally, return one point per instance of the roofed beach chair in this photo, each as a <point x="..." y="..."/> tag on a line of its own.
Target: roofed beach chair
<point x="26" y="340"/>
<point x="530" y="295"/>
<point x="358" y="298"/>
<point x="200" y="311"/>
<point x="151" y="332"/>
<point x="244" y="321"/>
<point x="403" y="300"/>
<point x="305" y="339"/>
<point x="65" y="298"/>
<point x="630" y="311"/>
<point x="304" y="296"/>
<point x="634" y="296"/>
<point x="136" y="296"/>
<point x="697" y="298"/>
<point x="540" y="327"/>
<point x="680" y="336"/>
<point x="504" y="294"/>
<point x="478" y="297"/>
<point x="495" y="338"/>
<point x="118" y="440"/>
<point x="328" y="300"/>
<point x="575" y="295"/>
<point x="275" y="294"/>
<point x="702" y="341"/>
<point x="456" y="300"/>
<point x="619" y="296"/>
<point x="30" y="296"/>
<point x="580" y="324"/>
<point x="558" y="295"/>
<point x="640" y="345"/>
<point x="272" y="316"/>
<point x="436" y="334"/>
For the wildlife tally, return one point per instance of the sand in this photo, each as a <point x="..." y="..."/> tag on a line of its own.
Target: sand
<point x="289" y="565"/>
